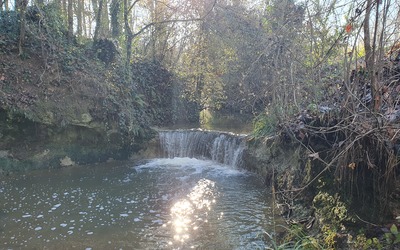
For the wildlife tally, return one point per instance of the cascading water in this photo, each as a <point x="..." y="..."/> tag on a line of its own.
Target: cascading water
<point x="178" y="202"/>
<point x="222" y="147"/>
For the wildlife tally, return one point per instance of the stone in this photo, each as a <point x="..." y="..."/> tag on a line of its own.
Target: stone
<point x="66" y="161"/>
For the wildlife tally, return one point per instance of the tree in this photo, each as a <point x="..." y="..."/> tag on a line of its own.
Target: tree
<point x="79" y="16"/>
<point x="21" y="6"/>
<point x="369" y="55"/>
<point x="128" y="31"/>
<point x="70" y="21"/>
<point x="115" y="9"/>
<point x="99" y="22"/>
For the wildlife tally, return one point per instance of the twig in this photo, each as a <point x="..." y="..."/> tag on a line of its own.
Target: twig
<point x="372" y="224"/>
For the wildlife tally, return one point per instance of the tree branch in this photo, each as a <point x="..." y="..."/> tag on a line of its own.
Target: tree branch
<point x="133" y="5"/>
<point x="144" y="28"/>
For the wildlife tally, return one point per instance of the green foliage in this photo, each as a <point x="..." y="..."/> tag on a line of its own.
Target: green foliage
<point x="155" y="85"/>
<point x="295" y="238"/>
<point x="361" y="242"/>
<point x="393" y="237"/>
<point x="264" y="125"/>
<point x="54" y="21"/>
<point x="329" y="237"/>
<point x="331" y="214"/>
<point x="330" y="210"/>
<point x="8" y="27"/>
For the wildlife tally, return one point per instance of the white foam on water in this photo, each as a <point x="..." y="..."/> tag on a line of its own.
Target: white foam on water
<point x="197" y="166"/>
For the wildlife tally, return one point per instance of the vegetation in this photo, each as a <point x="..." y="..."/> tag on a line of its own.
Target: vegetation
<point x="323" y="76"/>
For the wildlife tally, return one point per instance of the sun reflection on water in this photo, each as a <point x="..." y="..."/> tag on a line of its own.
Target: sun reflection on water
<point x="188" y="213"/>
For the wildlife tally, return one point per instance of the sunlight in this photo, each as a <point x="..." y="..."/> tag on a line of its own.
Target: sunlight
<point x="183" y="212"/>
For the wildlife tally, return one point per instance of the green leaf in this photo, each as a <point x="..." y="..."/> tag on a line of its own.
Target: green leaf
<point x="388" y="237"/>
<point x="393" y="229"/>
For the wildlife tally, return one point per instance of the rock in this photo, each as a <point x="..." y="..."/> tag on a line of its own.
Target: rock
<point x="66" y="161"/>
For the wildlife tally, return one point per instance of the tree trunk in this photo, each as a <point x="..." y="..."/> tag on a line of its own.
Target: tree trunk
<point x="105" y="26"/>
<point x="84" y="27"/>
<point x="128" y="33"/>
<point x="21" y="7"/>
<point x="64" y="6"/>
<point x="79" y="16"/>
<point x="98" y="21"/>
<point x="70" y="21"/>
<point x="115" y="26"/>
<point x="370" y="57"/>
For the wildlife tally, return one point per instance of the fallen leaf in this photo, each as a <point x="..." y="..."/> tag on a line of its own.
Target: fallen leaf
<point x="352" y="165"/>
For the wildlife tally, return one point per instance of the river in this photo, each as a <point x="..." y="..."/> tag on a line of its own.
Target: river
<point x="177" y="203"/>
<point x="162" y="203"/>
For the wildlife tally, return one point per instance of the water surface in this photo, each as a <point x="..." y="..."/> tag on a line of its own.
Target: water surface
<point x="178" y="203"/>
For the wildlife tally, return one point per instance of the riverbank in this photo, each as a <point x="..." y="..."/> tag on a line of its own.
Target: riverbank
<point x="336" y="190"/>
<point x="62" y="104"/>
<point x="53" y="117"/>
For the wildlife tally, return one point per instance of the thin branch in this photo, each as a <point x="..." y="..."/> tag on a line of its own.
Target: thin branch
<point x="173" y="21"/>
<point x="144" y="28"/>
<point x="133" y="5"/>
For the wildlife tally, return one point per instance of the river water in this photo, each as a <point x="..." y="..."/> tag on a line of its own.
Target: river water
<point x="172" y="203"/>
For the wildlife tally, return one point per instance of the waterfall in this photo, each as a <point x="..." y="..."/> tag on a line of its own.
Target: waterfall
<point x="222" y="147"/>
